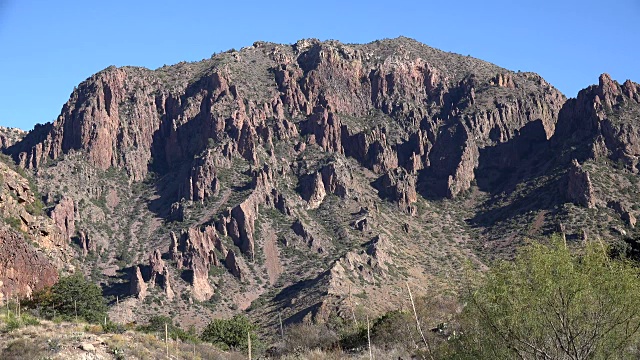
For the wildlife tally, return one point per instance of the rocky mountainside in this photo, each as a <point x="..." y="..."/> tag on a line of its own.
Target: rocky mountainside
<point x="10" y="136"/>
<point x="32" y="246"/>
<point x="315" y="179"/>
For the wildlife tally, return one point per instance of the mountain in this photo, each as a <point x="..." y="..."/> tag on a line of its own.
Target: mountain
<point x="9" y="136"/>
<point x="316" y="179"/>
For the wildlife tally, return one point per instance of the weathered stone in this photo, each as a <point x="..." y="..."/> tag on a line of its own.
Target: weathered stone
<point x="202" y="183"/>
<point x="23" y="270"/>
<point x="624" y="213"/>
<point x="361" y="224"/>
<point x="176" y="213"/>
<point x="317" y="192"/>
<point x="86" y="243"/>
<point x="399" y="186"/>
<point x="168" y="291"/>
<point x="236" y="265"/>
<point x="63" y="214"/>
<point x="579" y="188"/>
<point x="88" y="347"/>
<point x="157" y="266"/>
<point x="138" y="288"/>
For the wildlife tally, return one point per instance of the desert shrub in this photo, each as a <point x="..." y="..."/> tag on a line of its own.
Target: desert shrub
<point x="113" y="328"/>
<point x="14" y="222"/>
<point x="395" y="328"/>
<point x="552" y="303"/>
<point x="354" y="338"/>
<point x="309" y="336"/>
<point x="230" y="333"/>
<point x="157" y="324"/>
<point x="69" y="294"/>
<point x="13" y="321"/>
<point x="23" y="348"/>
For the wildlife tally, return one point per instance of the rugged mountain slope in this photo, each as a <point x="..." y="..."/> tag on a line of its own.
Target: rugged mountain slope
<point x="316" y="179"/>
<point x="32" y="247"/>
<point x="9" y="136"/>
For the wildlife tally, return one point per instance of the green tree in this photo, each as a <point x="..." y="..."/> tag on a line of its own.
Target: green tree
<point x="74" y="293"/>
<point x="230" y="333"/>
<point x="552" y="303"/>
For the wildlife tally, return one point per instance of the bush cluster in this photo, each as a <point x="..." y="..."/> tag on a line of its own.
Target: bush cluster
<point x="72" y="296"/>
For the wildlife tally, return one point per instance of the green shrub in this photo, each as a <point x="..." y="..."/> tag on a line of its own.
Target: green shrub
<point x="230" y="333"/>
<point x="72" y="295"/>
<point x="113" y="328"/>
<point x="393" y="328"/>
<point x="551" y="303"/>
<point x="354" y="338"/>
<point x="157" y="325"/>
<point x="13" y="321"/>
<point x="14" y="222"/>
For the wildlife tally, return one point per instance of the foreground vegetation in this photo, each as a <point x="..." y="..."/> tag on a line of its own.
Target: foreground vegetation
<point x="551" y="302"/>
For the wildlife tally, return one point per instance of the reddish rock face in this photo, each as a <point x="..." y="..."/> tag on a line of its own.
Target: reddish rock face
<point x="63" y="214"/>
<point x="579" y="188"/>
<point x="23" y="270"/>
<point x="399" y="186"/>
<point x="604" y="117"/>
<point x="423" y="102"/>
<point x="288" y="127"/>
<point x="194" y="250"/>
<point x="138" y="286"/>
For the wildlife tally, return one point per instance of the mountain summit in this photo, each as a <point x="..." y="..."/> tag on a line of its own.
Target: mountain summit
<point x="299" y="177"/>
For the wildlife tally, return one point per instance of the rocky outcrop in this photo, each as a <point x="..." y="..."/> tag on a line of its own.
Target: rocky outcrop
<point x="168" y="290"/>
<point x="333" y="178"/>
<point x="316" y="192"/>
<point x="239" y="222"/>
<point x="579" y="187"/>
<point x="23" y="269"/>
<point x="86" y="243"/>
<point x="337" y="177"/>
<point x="379" y="249"/>
<point x="399" y="186"/>
<point x="160" y="274"/>
<point x="125" y="117"/>
<point x="236" y="265"/>
<point x="373" y="149"/>
<point x="33" y="248"/>
<point x="370" y="263"/>
<point x="601" y="121"/>
<point x="313" y="241"/>
<point x="325" y="129"/>
<point x="9" y="136"/>
<point x="202" y="182"/>
<point x="623" y="211"/>
<point x="64" y="214"/>
<point x="361" y="224"/>
<point x="176" y="212"/>
<point x="195" y="251"/>
<point x="138" y="288"/>
<point x="156" y="266"/>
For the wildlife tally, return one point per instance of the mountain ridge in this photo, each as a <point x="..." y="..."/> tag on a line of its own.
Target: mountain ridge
<point x="293" y="178"/>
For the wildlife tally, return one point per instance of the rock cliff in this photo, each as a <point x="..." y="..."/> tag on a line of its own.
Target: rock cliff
<point x="285" y="177"/>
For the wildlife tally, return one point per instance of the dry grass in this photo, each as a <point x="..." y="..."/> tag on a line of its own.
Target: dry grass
<point x="49" y="340"/>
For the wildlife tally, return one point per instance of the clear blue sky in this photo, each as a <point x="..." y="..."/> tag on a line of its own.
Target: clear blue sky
<point x="48" y="47"/>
